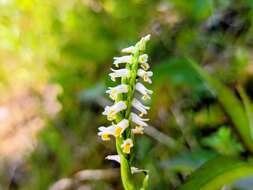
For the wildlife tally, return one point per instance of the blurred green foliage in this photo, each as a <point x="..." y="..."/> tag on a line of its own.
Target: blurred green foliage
<point x="71" y="43"/>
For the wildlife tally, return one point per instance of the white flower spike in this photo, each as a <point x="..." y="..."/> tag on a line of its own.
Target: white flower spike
<point x="127" y="145"/>
<point x="127" y="124"/>
<point x="119" y="73"/>
<point x="111" y="111"/>
<point x="115" y="91"/>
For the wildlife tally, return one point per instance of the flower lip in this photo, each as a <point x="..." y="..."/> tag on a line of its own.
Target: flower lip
<point x="120" y="127"/>
<point x="105" y="132"/>
<point x="127" y="145"/>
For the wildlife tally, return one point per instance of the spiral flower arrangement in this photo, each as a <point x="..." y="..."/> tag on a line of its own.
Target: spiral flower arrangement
<point x="132" y="71"/>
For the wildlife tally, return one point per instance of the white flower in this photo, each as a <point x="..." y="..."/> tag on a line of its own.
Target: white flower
<point x="115" y="91"/>
<point x="145" y="66"/>
<point x="145" y="75"/>
<point x="130" y="49"/>
<point x="120" y="127"/>
<point x="143" y="58"/>
<point x="113" y="158"/>
<point x="119" y="73"/>
<point x="111" y="111"/>
<point x="105" y="132"/>
<point x="143" y="61"/>
<point x="140" y="107"/>
<point x="138" y="120"/>
<point x="141" y="45"/>
<point x="127" y="145"/>
<point x="143" y="90"/>
<point x="138" y="130"/>
<point x="123" y="59"/>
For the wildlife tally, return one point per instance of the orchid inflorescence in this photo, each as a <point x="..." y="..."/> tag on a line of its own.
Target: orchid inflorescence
<point x="126" y="124"/>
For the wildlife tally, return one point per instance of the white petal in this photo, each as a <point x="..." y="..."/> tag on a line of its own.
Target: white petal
<point x="119" y="73"/>
<point x="111" y="111"/>
<point x="143" y="90"/>
<point x="130" y="49"/>
<point x="139" y="106"/>
<point x="113" y="158"/>
<point x="123" y="59"/>
<point x="124" y="123"/>
<point x="115" y="91"/>
<point x="145" y="66"/>
<point x="138" y="120"/>
<point x="120" y="127"/>
<point x="141" y="45"/>
<point x="145" y="75"/>
<point x="143" y="58"/>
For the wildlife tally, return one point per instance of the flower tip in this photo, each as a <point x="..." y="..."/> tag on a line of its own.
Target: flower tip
<point x="147" y="37"/>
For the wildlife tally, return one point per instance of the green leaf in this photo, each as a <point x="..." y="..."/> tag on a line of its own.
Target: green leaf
<point x="248" y="108"/>
<point x="188" y="161"/>
<point x="217" y="172"/>
<point x="223" y="142"/>
<point x="230" y="102"/>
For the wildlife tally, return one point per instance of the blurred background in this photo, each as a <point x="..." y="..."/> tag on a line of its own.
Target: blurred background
<point x="55" y="56"/>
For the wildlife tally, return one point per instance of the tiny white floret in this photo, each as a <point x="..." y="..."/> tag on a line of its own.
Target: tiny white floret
<point x="145" y="75"/>
<point x="105" y="132"/>
<point x="115" y="91"/>
<point x="113" y="158"/>
<point x="111" y="111"/>
<point x="119" y="73"/>
<point x="127" y="145"/>
<point x="120" y="127"/>
<point x="138" y="120"/>
<point x="138" y="130"/>
<point x="140" y="107"/>
<point x="123" y="59"/>
<point x="130" y="49"/>
<point x="143" y="90"/>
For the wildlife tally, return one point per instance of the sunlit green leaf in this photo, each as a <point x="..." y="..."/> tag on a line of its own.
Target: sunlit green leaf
<point x="216" y="173"/>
